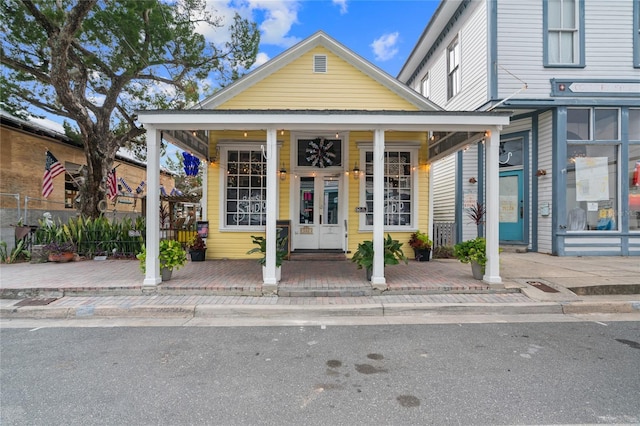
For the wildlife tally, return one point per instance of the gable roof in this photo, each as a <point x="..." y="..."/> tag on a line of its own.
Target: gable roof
<point x="295" y="52"/>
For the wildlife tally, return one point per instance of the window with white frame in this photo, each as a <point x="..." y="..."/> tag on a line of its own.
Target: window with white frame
<point x="425" y="89"/>
<point x="245" y="187"/>
<point x="563" y="36"/>
<point x="453" y="69"/>
<point x="399" y="190"/>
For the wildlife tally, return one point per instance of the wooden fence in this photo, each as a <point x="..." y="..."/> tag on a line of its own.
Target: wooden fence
<point x="444" y="234"/>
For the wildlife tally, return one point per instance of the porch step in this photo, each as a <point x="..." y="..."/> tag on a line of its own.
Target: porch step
<point x="514" y="248"/>
<point x="318" y="255"/>
<point x="295" y="291"/>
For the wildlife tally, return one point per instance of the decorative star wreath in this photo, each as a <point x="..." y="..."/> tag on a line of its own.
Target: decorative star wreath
<point x="320" y="153"/>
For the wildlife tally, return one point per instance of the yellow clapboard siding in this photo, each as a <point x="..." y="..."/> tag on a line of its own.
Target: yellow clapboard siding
<point x="296" y="86"/>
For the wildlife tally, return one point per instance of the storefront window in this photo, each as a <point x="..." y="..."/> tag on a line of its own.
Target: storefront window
<point x="398" y="188"/>
<point x="592" y="194"/>
<point x="245" y="188"/>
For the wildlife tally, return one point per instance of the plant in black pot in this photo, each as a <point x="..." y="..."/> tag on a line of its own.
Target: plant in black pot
<point x="197" y="248"/>
<point x="393" y="254"/>
<point x="421" y="245"/>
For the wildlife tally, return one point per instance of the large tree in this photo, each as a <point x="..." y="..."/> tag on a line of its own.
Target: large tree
<point x="97" y="61"/>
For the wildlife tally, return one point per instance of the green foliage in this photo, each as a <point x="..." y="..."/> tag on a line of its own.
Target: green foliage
<point x="18" y="252"/>
<point x="393" y="253"/>
<point x="97" y="62"/>
<point x="420" y="241"/>
<point x="171" y="256"/>
<point x="93" y="237"/>
<point x="261" y="242"/>
<point x="471" y="251"/>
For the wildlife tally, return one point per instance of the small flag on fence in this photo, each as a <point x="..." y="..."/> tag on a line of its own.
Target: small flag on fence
<point x="52" y="168"/>
<point x="112" y="185"/>
<point x="140" y="187"/>
<point x="124" y="183"/>
<point x="175" y="191"/>
<point x="163" y="192"/>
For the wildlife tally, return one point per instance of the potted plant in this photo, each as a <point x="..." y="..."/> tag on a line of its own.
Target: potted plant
<point x="197" y="248"/>
<point x="60" y="251"/>
<point x="393" y="254"/>
<point x="474" y="252"/>
<point x="281" y="252"/>
<point x="421" y="244"/>
<point x="171" y="256"/>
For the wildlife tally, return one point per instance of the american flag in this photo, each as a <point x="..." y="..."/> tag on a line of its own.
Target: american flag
<point x="52" y="169"/>
<point x="112" y="185"/>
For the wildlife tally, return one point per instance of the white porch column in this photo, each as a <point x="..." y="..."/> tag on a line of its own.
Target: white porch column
<point x="377" y="277"/>
<point x="152" y="265"/>
<point x="492" y="205"/>
<point x="270" y="284"/>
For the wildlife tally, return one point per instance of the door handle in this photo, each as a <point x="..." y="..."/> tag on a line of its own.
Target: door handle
<point x="521" y="210"/>
<point x="320" y="219"/>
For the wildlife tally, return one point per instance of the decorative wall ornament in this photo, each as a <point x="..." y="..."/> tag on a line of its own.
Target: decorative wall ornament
<point x="320" y="153"/>
<point x="191" y="164"/>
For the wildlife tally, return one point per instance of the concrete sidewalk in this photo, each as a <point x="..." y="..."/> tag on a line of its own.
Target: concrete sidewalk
<point x="232" y="289"/>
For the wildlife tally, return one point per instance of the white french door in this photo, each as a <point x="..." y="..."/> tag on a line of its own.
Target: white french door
<point x="318" y="222"/>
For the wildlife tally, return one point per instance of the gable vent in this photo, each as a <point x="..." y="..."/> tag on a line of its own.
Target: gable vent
<point x="319" y="63"/>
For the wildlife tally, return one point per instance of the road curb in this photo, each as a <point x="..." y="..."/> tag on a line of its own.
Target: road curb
<point x="400" y="309"/>
<point x="314" y="311"/>
<point x="612" y="307"/>
<point x="287" y="311"/>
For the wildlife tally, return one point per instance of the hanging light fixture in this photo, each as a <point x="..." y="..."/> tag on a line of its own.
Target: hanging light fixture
<point x="356" y="171"/>
<point x="283" y="172"/>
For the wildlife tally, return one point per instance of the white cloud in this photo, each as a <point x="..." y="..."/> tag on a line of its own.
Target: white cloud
<point x="384" y="47"/>
<point x="261" y="58"/>
<point x="274" y="18"/>
<point x="279" y="16"/>
<point x="342" y="4"/>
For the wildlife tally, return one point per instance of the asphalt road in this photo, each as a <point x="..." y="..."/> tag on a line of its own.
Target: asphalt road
<point x="520" y="373"/>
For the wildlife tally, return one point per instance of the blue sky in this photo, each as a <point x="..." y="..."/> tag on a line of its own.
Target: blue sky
<point x="383" y="32"/>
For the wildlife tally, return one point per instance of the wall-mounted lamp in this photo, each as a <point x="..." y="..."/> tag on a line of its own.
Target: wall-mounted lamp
<point x="541" y="172"/>
<point x="283" y="172"/>
<point x="356" y="171"/>
<point x="213" y="158"/>
<point x="472" y="180"/>
<point x="194" y="133"/>
<point x="245" y="134"/>
<point x="282" y="132"/>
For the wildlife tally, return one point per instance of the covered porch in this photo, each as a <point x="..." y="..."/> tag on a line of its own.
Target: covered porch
<point x="457" y="129"/>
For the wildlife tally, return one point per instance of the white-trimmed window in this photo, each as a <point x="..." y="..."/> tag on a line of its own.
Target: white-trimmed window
<point x="399" y="188"/>
<point x="563" y="25"/>
<point x="245" y="187"/>
<point x="425" y="87"/>
<point x="453" y="69"/>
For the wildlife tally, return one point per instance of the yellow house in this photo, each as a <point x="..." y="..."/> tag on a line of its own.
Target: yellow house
<point x="325" y="142"/>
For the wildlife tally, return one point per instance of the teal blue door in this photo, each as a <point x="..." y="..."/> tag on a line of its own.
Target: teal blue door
<point x="511" y="206"/>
